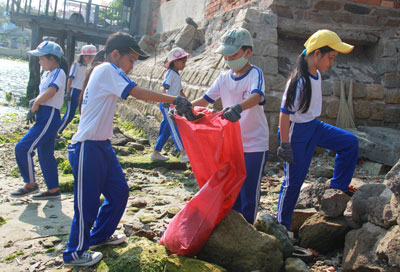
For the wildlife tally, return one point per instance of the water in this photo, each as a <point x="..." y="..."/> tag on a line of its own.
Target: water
<point x="14" y="76"/>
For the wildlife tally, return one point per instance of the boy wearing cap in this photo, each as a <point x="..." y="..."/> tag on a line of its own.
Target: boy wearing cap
<point x="300" y="130"/>
<point x="46" y="109"/>
<point x="74" y="85"/>
<point x="95" y="166"/>
<point x="171" y="85"/>
<point x="242" y="92"/>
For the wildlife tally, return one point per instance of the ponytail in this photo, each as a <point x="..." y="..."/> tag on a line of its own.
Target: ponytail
<point x="300" y="75"/>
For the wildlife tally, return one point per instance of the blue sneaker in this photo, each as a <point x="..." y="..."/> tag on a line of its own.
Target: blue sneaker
<point x="23" y="191"/>
<point x="88" y="258"/>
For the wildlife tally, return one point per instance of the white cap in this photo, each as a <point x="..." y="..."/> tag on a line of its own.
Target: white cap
<point x="89" y="50"/>
<point x="176" y="53"/>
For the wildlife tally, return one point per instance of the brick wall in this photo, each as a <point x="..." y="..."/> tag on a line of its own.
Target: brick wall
<point x="218" y="6"/>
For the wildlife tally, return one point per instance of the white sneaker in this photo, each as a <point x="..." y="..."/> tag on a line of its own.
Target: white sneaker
<point x="184" y="158"/>
<point x="88" y="258"/>
<point x="114" y="239"/>
<point x="158" y="157"/>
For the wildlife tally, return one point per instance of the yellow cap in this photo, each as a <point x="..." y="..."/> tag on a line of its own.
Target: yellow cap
<point x="329" y="38"/>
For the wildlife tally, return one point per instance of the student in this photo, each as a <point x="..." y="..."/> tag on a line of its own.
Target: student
<point x="300" y="130"/>
<point x="74" y="85"/>
<point x="95" y="166"/>
<point x="242" y="92"/>
<point x="97" y="60"/>
<point x="46" y="107"/>
<point x="172" y="86"/>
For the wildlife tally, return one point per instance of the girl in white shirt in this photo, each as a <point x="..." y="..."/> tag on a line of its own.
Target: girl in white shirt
<point x="300" y="130"/>
<point x="46" y="108"/>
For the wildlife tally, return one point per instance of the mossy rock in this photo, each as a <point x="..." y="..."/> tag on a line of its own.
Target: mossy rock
<point x="176" y="263"/>
<point x="138" y="254"/>
<point x="59" y="145"/>
<point x="144" y="162"/>
<point x="66" y="183"/>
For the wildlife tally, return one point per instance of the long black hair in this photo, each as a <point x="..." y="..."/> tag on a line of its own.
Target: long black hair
<point x="300" y="72"/>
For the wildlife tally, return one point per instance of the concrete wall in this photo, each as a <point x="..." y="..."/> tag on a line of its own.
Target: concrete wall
<point x="172" y="14"/>
<point x="15" y="53"/>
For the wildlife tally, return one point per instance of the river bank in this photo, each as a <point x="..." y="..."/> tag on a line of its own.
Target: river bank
<point x="34" y="233"/>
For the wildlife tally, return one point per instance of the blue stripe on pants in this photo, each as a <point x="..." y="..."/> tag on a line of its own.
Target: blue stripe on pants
<point x="71" y="109"/>
<point x="41" y="136"/>
<point x="96" y="171"/>
<point x="168" y="128"/>
<point x="248" y="199"/>
<point x="304" y="138"/>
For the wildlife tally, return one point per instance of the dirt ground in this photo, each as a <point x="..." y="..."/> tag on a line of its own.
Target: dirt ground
<point x="34" y="233"/>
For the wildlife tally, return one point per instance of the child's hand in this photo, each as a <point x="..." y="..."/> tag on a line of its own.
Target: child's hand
<point x="67" y="96"/>
<point x="232" y="113"/>
<point x="285" y="152"/>
<point x="30" y="117"/>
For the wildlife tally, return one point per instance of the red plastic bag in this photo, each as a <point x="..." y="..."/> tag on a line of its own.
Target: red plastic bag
<point x="215" y="150"/>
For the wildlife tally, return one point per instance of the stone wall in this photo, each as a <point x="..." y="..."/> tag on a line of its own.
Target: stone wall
<point x="279" y="29"/>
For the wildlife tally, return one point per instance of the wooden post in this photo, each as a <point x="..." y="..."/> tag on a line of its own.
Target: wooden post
<point x="32" y="89"/>
<point x="70" y="52"/>
<point x="88" y="9"/>
<point x="134" y="9"/>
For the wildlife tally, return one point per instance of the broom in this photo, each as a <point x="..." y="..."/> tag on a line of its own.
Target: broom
<point x="344" y="118"/>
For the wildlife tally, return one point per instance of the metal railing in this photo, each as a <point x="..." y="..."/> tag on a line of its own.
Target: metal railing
<point x="78" y="12"/>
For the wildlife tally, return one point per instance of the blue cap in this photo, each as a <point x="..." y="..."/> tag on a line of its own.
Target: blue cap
<point x="47" y="47"/>
<point x="233" y="40"/>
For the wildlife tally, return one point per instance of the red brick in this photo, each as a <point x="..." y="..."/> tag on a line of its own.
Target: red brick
<point x="389" y="4"/>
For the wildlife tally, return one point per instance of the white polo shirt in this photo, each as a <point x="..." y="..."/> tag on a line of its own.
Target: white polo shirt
<point x="233" y="90"/>
<point x="107" y="83"/>
<point x="172" y="82"/>
<point x="57" y="79"/>
<point x="314" y="110"/>
<point x="77" y="73"/>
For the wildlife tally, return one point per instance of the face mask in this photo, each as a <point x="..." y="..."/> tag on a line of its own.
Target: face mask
<point x="236" y="64"/>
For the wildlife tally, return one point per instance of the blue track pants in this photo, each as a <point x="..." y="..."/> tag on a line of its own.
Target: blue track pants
<point x="168" y="128"/>
<point x="96" y="171"/>
<point x="304" y="137"/>
<point x="41" y="136"/>
<point x="248" y="199"/>
<point x="71" y="109"/>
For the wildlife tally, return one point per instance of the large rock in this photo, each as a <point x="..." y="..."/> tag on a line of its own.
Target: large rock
<point x="392" y="180"/>
<point x="323" y="233"/>
<point x="310" y="194"/>
<point x="300" y="216"/>
<point x="238" y="246"/>
<point x="270" y="225"/>
<point x="333" y="203"/>
<point x="373" y="203"/>
<point x="295" y="265"/>
<point x="176" y="263"/>
<point x="389" y="248"/>
<point x="359" y="214"/>
<point x="378" y="144"/>
<point x="359" y="247"/>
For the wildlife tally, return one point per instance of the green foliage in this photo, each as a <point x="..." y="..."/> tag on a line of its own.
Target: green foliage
<point x="15" y="172"/>
<point x="65" y="167"/>
<point x="9" y="96"/>
<point x="52" y="249"/>
<point x="59" y="145"/>
<point x="11" y="257"/>
<point x="127" y="125"/>
<point x="66" y="183"/>
<point x="2" y="221"/>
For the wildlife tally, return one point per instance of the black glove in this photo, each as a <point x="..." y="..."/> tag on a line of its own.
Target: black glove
<point x="67" y="96"/>
<point x="232" y="113"/>
<point x="182" y="105"/>
<point x="31" y="102"/>
<point x="285" y="152"/>
<point x="30" y="117"/>
<point x="166" y="105"/>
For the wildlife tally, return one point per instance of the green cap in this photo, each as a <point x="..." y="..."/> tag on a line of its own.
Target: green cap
<point x="233" y="40"/>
